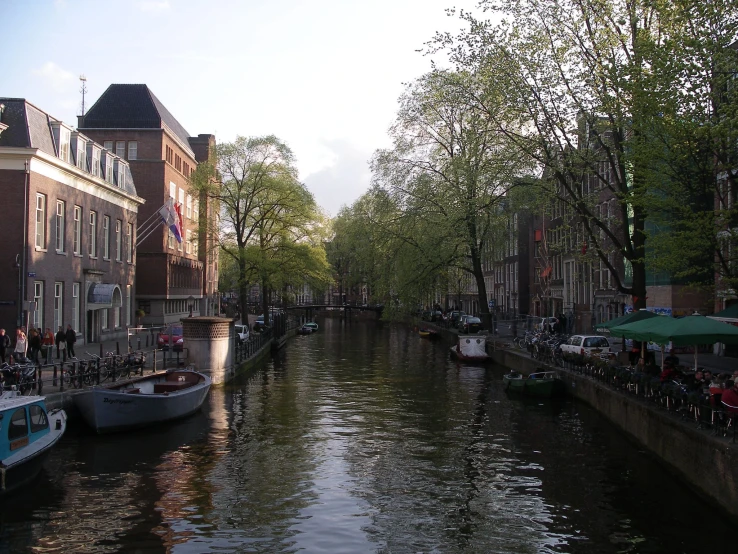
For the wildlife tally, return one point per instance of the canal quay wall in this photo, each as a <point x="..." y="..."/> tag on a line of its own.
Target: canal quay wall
<point x="708" y="463"/>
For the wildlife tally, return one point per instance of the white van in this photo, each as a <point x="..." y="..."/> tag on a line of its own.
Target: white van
<point x="242" y="332"/>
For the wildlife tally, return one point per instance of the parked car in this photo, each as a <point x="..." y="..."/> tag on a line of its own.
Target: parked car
<point x="177" y="341"/>
<point x="259" y="324"/>
<point x="455" y="316"/>
<point x="242" y="332"/>
<point x="470" y="324"/>
<point x="586" y="345"/>
<point x="427" y="315"/>
<point x="437" y="316"/>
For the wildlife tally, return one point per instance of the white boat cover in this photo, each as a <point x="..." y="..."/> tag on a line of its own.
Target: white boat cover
<point x="472" y="346"/>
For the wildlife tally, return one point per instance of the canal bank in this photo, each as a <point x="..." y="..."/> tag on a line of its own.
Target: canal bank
<point x="707" y="463"/>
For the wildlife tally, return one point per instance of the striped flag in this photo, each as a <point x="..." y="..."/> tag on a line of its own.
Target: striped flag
<point x="171" y="219"/>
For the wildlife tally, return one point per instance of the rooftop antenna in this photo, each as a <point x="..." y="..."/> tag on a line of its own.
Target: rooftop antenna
<point x="83" y="90"/>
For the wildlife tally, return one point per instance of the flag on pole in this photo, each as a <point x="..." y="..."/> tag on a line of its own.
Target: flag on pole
<point x="171" y="219"/>
<point x="180" y="220"/>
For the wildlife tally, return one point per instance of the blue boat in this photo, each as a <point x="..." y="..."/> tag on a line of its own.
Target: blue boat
<point x="27" y="433"/>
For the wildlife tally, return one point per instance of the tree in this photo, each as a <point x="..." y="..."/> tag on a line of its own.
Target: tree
<point x="448" y="169"/>
<point x="592" y="84"/>
<point x="269" y="223"/>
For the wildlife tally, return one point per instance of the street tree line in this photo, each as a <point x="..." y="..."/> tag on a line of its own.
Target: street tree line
<point x="560" y="102"/>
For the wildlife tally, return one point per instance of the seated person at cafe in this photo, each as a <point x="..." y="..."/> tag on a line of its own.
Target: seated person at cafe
<point x="730" y="396"/>
<point x="694" y="381"/>
<point x="671" y="360"/>
<point x="668" y="373"/>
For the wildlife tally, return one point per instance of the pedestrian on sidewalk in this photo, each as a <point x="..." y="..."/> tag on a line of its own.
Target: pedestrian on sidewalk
<point x="71" y="339"/>
<point x="61" y="341"/>
<point x="21" y="346"/>
<point x="47" y="345"/>
<point x="4" y="345"/>
<point x="34" y="342"/>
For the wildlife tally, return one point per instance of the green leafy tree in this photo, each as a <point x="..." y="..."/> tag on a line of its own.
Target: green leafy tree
<point x="446" y="173"/>
<point x="269" y="224"/>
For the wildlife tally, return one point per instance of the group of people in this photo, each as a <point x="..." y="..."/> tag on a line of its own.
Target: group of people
<point x="28" y="346"/>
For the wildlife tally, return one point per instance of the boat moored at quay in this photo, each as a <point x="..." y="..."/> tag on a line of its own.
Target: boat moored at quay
<point x="27" y="433"/>
<point x="143" y="401"/>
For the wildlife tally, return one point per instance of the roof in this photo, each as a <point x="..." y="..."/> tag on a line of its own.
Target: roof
<point x="133" y="106"/>
<point x="28" y="127"/>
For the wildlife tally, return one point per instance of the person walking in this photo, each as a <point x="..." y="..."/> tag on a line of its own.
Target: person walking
<point x="47" y="344"/>
<point x="34" y="342"/>
<point x="4" y="345"/>
<point x="21" y="347"/>
<point x="71" y="339"/>
<point x="61" y="341"/>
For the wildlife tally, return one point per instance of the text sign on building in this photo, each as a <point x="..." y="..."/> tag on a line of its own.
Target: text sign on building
<point x="31" y="273"/>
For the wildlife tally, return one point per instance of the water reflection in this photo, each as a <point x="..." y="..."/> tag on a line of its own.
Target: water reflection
<point x="363" y="439"/>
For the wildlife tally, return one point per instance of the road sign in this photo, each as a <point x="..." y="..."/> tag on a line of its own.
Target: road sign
<point x="491" y="303"/>
<point x="31" y="273"/>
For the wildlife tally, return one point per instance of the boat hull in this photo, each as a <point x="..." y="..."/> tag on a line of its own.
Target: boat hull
<point x="24" y="470"/>
<point x="464" y="358"/>
<point x="110" y="410"/>
<point x="544" y="388"/>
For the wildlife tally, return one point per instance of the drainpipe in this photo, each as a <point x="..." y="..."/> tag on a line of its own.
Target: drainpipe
<point x="24" y="261"/>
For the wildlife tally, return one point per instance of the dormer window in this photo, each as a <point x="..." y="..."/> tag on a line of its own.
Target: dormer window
<point x="93" y="154"/>
<point x="120" y="173"/>
<point x="108" y="167"/>
<point x="79" y="150"/>
<point x="61" y="137"/>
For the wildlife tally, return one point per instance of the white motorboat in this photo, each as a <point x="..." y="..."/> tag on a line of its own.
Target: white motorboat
<point x="27" y="433"/>
<point x="143" y="401"/>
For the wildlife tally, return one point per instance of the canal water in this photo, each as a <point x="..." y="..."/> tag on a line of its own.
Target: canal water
<point x="363" y="438"/>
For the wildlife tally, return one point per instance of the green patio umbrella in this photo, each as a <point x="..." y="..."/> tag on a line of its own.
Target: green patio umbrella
<point x="632" y="317"/>
<point x="686" y="331"/>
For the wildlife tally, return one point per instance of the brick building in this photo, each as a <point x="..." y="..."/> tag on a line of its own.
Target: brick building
<point x="67" y="222"/>
<point x="180" y="279"/>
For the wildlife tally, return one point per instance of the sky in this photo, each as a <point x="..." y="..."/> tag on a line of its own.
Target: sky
<point x="324" y="76"/>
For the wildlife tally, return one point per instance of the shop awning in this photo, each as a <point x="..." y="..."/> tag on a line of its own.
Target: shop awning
<point x="104" y="293"/>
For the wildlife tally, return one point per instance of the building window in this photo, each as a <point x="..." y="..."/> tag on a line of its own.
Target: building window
<point x="77" y="239"/>
<point x="38" y="300"/>
<point x="133" y="150"/>
<point x="95" y="162"/>
<point x="60" y="224"/>
<point x="108" y="144"/>
<point x="189" y="242"/>
<point x="118" y="239"/>
<point x="93" y="235"/>
<point x="64" y="137"/>
<point x="81" y="155"/>
<point x="169" y="154"/>
<point x="106" y="237"/>
<point x="120" y="149"/>
<point x="196" y="210"/>
<point x="104" y="319"/>
<point x="129" y="242"/>
<point x="116" y="317"/>
<point x="75" y="306"/>
<point x="40" y="221"/>
<point x="109" y="169"/>
<point x="189" y="206"/>
<point x="58" y="305"/>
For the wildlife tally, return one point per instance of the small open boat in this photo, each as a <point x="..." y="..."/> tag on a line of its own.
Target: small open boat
<point x="426" y="333"/>
<point x="304" y="330"/>
<point x="143" y="401"/>
<point x="312" y="325"/>
<point x="545" y="384"/>
<point x="27" y="433"/>
<point x="470" y="348"/>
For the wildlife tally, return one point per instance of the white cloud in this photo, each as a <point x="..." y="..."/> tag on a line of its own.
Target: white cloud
<point x="153" y="6"/>
<point x="342" y="182"/>
<point x="60" y="80"/>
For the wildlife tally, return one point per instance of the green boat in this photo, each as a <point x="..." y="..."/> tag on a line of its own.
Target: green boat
<point x="545" y="384"/>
